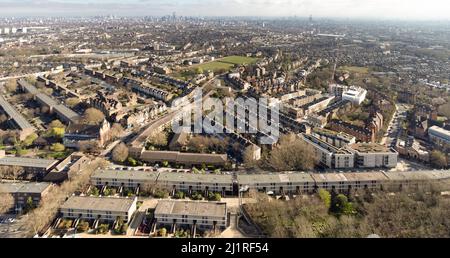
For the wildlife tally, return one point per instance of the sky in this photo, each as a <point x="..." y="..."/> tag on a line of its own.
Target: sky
<point x="372" y="9"/>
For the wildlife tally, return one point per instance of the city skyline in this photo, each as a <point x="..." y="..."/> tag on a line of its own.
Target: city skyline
<point x="371" y="9"/>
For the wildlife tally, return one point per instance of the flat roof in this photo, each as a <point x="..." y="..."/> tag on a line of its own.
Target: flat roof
<point x="331" y="133"/>
<point x="191" y="208"/>
<point x="14" y="114"/>
<point x="23" y="187"/>
<point x="440" y="131"/>
<point x="251" y="179"/>
<point x="27" y="162"/>
<point x="370" y="148"/>
<point x="28" y="87"/>
<point x="67" y="112"/>
<point x="329" y="177"/>
<point x="366" y="176"/>
<point x="191" y="177"/>
<point x="125" y="174"/>
<point x="46" y="99"/>
<point x="98" y="203"/>
<point x="419" y="175"/>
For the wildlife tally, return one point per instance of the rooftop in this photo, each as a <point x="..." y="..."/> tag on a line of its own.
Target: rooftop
<point x="439" y="130"/>
<point x="27" y="162"/>
<point x="273" y="178"/>
<point x="14" y="114"/>
<point x="331" y="133"/>
<point x="370" y="148"/>
<point x="125" y="174"/>
<point x="329" y="177"/>
<point x="23" y="187"/>
<point x="365" y="176"/>
<point x="189" y="177"/>
<point x="99" y="203"/>
<point x="191" y="208"/>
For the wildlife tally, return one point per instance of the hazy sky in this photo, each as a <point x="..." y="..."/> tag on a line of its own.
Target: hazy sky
<point x="398" y="9"/>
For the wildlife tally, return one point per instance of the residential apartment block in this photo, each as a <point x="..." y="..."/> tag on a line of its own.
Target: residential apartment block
<point x="198" y="213"/>
<point x="439" y="135"/>
<point x="102" y="208"/>
<point x="23" y="191"/>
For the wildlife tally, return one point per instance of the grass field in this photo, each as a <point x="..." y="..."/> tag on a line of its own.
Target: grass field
<point x="213" y="66"/>
<point x="238" y="60"/>
<point x="354" y="69"/>
<point x="225" y="63"/>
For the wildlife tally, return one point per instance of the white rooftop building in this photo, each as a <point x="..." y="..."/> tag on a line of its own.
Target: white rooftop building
<point x="354" y="94"/>
<point x="439" y="135"/>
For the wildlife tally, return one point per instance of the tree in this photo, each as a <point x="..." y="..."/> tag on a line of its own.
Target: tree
<point x="6" y="201"/>
<point x="56" y="124"/>
<point x="10" y="172"/>
<point x="11" y="85"/>
<point x="93" y="116"/>
<point x="179" y="195"/>
<point x="248" y="158"/>
<point x="29" y="205"/>
<point x="162" y="232"/>
<point x="116" y="131"/>
<point x="198" y="70"/>
<point x="341" y="206"/>
<point x="72" y="102"/>
<point x="325" y="196"/>
<point x="57" y="132"/>
<point x="132" y="162"/>
<point x="57" y="147"/>
<point x="292" y="154"/>
<point x="445" y="110"/>
<point x="103" y="229"/>
<point x="158" y="139"/>
<point x="88" y="146"/>
<point x="94" y="191"/>
<point x="82" y="226"/>
<point x="120" y="153"/>
<point x="29" y="140"/>
<point x="214" y="197"/>
<point x="438" y="159"/>
<point x="197" y="196"/>
<point x="3" y="118"/>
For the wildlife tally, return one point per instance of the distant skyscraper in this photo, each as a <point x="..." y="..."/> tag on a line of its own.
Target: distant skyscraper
<point x="174" y="16"/>
<point x="310" y="19"/>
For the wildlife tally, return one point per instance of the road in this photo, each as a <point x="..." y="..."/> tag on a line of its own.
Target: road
<point x="394" y="129"/>
<point x="111" y="146"/>
<point x="166" y="119"/>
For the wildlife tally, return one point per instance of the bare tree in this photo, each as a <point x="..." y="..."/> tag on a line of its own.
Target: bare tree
<point x="120" y="153"/>
<point x="3" y="118"/>
<point x="72" y="102"/>
<point x="93" y="116"/>
<point x="158" y="139"/>
<point x="11" y="85"/>
<point x="11" y="172"/>
<point x="116" y="131"/>
<point x="292" y="154"/>
<point x="438" y="159"/>
<point x="6" y="201"/>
